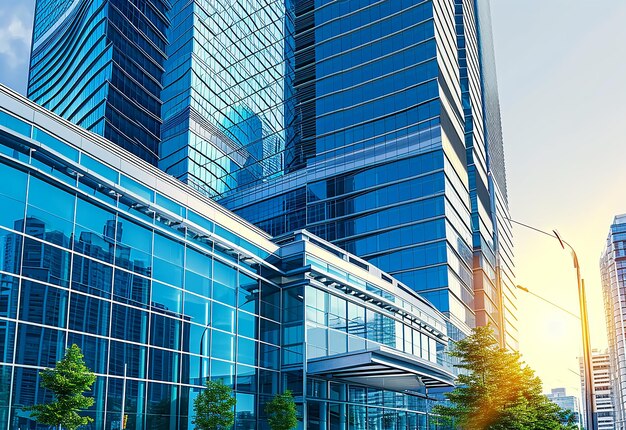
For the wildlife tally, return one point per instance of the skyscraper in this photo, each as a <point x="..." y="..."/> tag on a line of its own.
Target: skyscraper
<point x="99" y="63"/>
<point x="374" y="125"/>
<point x="565" y="402"/>
<point x="386" y="115"/>
<point x="603" y="384"/>
<point x="612" y="270"/>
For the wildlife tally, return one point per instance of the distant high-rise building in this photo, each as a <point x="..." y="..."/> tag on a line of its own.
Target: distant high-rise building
<point x="99" y="63"/>
<point x="613" y="274"/>
<point x="602" y="390"/>
<point x="565" y="402"/>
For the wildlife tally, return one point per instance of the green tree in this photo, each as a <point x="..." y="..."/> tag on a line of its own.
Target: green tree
<point x="497" y="391"/>
<point x="281" y="412"/>
<point x="67" y="381"/>
<point x="213" y="408"/>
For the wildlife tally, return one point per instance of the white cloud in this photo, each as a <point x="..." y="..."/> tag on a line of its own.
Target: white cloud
<point x="15" y="36"/>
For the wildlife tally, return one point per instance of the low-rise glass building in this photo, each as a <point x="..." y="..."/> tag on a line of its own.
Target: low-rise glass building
<point x="162" y="288"/>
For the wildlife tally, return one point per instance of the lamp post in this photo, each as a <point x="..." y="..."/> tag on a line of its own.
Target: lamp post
<point x="590" y="413"/>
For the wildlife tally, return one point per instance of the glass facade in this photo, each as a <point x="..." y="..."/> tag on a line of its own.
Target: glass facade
<point x="162" y="288"/>
<point x="225" y="94"/>
<point x="494" y="286"/>
<point x="343" y="330"/>
<point x="396" y="137"/>
<point x="375" y="125"/>
<point x="613" y="275"/>
<point x="99" y="63"/>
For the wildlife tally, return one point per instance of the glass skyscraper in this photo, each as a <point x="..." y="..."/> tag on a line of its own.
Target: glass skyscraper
<point x="374" y="125"/>
<point x="161" y="287"/>
<point x="612" y="272"/>
<point x="385" y="128"/>
<point x="99" y="63"/>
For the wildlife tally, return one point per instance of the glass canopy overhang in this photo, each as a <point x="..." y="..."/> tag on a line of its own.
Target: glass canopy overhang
<point x="383" y="367"/>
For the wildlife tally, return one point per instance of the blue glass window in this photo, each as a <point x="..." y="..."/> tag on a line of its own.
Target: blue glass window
<point x="246" y="378"/>
<point x="168" y="260"/>
<point x="7" y="336"/>
<point x="222" y="345"/>
<point x="137" y="188"/>
<point x="199" y="263"/>
<point x="222" y="371"/>
<point x="246" y="351"/>
<point x="89" y="314"/>
<point x="9" y="287"/>
<point x="131" y="289"/>
<point x="52" y="209"/>
<point x="270" y="331"/>
<point x="129" y="324"/>
<point x="93" y="348"/>
<point x="165" y="332"/>
<point x="268" y="382"/>
<point x="198" y="283"/>
<point x="43" y="304"/>
<point x="223" y="317"/>
<point x="197" y="308"/>
<point x="15" y="124"/>
<point x="94" y="231"/>
<point x="84" y="279"/>
<point x="134" y="356"/>
<point x="163" y="366"/>
<point x="201" y="221"/>
<point x="225" y="283"/>
<point x="134" y="250"/>
<point x="166" y="299"/>
<point x="269" y="356"/>
<point x="99" y="168"/>
<point x="55" y="144"/>
<point x="247" y="324"/>
<point x="45" y="262"/>
<point x="13" y="192"/>
<point x="248" y="293"/>
<point x="170" y="205"/>
<point x="50" y="343"/>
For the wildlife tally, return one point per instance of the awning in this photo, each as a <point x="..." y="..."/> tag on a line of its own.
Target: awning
<point x="383" y="367"/>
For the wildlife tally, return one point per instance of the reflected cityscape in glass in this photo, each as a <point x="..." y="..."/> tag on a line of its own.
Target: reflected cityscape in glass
<point x="161" y="288"/>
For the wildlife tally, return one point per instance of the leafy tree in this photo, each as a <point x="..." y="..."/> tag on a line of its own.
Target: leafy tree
<point x="497" y="391"/>
<point x="281" y="412"/>
<point x="67" y="381"/>
<point x="213" y="408"/>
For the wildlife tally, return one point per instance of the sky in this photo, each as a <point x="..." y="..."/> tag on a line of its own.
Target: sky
<point x="561" y="72"/>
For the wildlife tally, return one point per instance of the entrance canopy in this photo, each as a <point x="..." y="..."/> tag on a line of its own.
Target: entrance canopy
<point x="383" y="367"/>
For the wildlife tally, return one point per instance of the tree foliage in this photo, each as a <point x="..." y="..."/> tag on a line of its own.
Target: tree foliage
<point x="67" y="381"/>
<point x="213" y="408"/>
<point x="497" y="391"/>
<point x="281" y="412"/>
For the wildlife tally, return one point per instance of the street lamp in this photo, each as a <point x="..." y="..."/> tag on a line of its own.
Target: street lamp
<point x="590" y="412"/>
